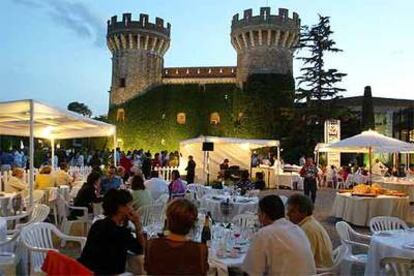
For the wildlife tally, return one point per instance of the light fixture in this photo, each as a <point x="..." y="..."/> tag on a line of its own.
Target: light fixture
<point x="21" y="144"/>
<point x="47" y="131"/>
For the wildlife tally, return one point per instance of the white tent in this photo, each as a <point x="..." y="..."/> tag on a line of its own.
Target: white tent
<point x="368" y="142"/>
<point x="37" y="120"/>
<point x="237" y="150"/>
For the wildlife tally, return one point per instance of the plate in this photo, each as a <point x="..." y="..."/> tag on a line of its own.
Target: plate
<point x="409" y="245"/>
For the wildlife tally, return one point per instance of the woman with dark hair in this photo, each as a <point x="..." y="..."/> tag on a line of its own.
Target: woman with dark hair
<point x="89" y="194"/>
<point x="109" y="239"/>
<point x="140" y="195"/>
<point x="175" y="254"/>
<point x="176" y="187"/>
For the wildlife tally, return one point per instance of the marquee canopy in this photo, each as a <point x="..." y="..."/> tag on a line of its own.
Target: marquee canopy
<point x="48" y="122"/>
<point x="237" y="150"/>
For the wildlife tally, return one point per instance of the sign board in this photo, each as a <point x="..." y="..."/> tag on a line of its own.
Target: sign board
<point x="333" y="135"/>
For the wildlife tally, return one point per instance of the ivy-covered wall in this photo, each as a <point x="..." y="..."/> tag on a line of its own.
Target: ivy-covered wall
<point x="258" y="111"/>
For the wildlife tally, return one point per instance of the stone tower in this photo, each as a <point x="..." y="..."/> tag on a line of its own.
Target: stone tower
<point x="138" y="49"/>
<point x="264" y="43"/>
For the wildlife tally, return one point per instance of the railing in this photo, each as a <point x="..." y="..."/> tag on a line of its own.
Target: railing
<point x="165" y="172"/>
<point x="79" y="172"/>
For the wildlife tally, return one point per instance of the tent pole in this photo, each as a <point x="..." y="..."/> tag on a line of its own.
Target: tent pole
<point x="370" y="163"/>
<point x="31" y="154"/>
<point x="115" y="146"/>
<point x="52" y="145"/>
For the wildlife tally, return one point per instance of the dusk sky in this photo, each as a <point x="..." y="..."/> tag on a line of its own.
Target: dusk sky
<point x="54" y="50"/>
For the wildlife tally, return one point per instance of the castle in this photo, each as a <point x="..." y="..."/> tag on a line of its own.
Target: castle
<point x="263" y="43"/>
<point x="185" y="102"/>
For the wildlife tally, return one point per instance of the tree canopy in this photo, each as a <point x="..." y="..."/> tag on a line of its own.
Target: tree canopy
<point x="80" y="108"/>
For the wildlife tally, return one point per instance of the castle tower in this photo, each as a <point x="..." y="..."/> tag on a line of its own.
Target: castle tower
<point x="138" y="49"/>
<point x="264" y="43"/>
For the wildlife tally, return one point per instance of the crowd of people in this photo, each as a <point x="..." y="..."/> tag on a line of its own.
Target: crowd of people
<point x="286" y="237"/>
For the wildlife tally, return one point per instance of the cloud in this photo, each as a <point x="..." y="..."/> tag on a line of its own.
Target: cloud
<point x="72" y="15"/>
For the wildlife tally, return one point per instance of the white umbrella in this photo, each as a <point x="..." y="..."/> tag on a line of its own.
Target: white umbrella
<point x="371" y="141"/>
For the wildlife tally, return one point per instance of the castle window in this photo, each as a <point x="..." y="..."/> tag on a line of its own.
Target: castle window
<point x="122" y="82"/>
<point x="187" y="72"/>
<point x="214" y="118"/>
<point x="181" y="118"/>
<point x="221" y="71"/>
<point x="120" y="115"/>
<point x="166" y="72"/>
<point x="198" y="71"/>
<point x="209" y="71"/>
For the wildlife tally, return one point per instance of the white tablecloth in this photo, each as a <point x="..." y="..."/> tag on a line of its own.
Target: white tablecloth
<point x="388" y="246"/>
<point x="288" y="180"/>
<point x="400" y="185"/>
<point x="359" y="210"/>
<point x="212" y="204"/>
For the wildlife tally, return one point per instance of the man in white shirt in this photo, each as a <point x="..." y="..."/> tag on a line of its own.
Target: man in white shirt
<point x="280" y="247"/>
<point x="156" y="185"/>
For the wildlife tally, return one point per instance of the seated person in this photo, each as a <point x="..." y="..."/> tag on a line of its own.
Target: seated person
<point x="89" y="194"/>
<point x="300" y="209"/>
<point x="62" y="177"/>
<point x="156" y="185"/>
<point x="175" y="254"/>
<point x="244" y="183"/>
<point x="16" y="184"/>
<point x="109" y="239"/>
<point x="176" y="187"/>
<point x="280" y="247"/>
<point x="44" y="179"/>
<point x="259" y="184"/>
<point x="111" y="181"/>
<point x="227" y="179"/>
<point x="140" y="195"/>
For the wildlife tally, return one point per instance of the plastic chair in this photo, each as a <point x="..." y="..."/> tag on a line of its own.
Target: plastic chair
<point x="346" y="234"/>
<point x="10" y="254"/>
<point x="151" y="213"/>
<point x="37" y="238"/>
<point x="245" y="220"/>
<point x="64" y="208"/>
<point x="397" y="266"/>
<point x="339" y="255"/>
<point x="284" y="199"/>
<point x="38" y="214"/>
<point x="198" y="189"/>
<point x="253" y="193"/>
<point x="163" y="199"/>
<point x="38" y="197"/>
<point x="383" y="223"/>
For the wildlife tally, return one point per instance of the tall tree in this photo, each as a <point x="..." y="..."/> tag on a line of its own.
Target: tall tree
<point x="317" y="82"/>
<point x="80" y="108"/>
<point x="368" y="117"/>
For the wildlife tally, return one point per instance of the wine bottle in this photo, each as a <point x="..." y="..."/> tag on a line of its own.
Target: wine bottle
<point x="206" y="233"/>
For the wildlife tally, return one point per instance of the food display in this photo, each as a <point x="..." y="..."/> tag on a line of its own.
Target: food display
<point x="371" y="191"/>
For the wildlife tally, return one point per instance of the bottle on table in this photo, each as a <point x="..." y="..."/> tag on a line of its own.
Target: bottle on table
<point x="206" y="232"/>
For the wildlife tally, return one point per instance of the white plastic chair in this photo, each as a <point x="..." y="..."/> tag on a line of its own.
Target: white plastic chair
<point x="163" y="199"/>
<point x="10" y="254"/>
<point x="397" y="266"/>
<point x="38" y="197"/>
<point x="64" y="208"/>
<point x="245" y="220"/>
<point x="199" y="190"/>
<point x="340" y="184"/>
<point x="253" y="193"/>
<point x="38" y="214"/>
<point x="151" y="213"/>
<point x="347" y="235"/>
<point x="383" y="223"/>
<point x="37" y="238"/>
<point x="339" y="255"/>
<point x="284" y="199"/>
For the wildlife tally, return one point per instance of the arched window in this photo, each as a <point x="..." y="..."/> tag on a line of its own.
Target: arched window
<point x="214" y="118"/>
<point x="120" y="115"/>
<point x="181" y="118"/>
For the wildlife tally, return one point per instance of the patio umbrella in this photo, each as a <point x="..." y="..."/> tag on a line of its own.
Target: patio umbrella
<point x="371" y="141"/>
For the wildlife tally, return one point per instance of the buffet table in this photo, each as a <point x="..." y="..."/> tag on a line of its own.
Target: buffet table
<point x="214" y="204"/>
<point x="358" y="210"/>
<point x="398" y="184"/>
<point x="397" y="243"/>
<point x="291" y="180"/>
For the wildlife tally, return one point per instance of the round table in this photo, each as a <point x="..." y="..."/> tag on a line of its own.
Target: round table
<point x="391" y="245"/>
<point x="359" y="210"/>
<point x="213" y="203"/>
<point x="398" y="184"/>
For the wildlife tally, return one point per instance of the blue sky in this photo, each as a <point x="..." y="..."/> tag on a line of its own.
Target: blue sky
<point x="54" y="50"/>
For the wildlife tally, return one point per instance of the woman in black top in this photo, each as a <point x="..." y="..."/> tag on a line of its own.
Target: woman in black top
<point x="109" y="239"/>
<point x="87" y="195"/>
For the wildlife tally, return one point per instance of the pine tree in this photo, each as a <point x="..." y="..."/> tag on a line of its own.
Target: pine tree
<point x="316" y="82"/>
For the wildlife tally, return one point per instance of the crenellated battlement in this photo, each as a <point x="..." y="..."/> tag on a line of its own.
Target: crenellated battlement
<point x="143" y="24"/>
<point x="282" y="19"/>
